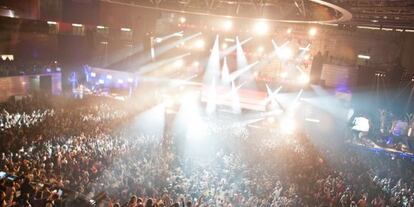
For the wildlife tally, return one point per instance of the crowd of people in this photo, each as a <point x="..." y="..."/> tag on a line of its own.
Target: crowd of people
<point x="63" y="152"/>
<point x="14" y="67"/>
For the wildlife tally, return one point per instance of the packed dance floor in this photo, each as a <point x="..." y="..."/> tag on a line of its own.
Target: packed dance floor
<point x="207" y="103"/>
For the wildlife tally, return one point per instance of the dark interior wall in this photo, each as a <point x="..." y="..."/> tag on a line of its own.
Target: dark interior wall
<point x="407" y="55"/>
<point x="81" y="11"/>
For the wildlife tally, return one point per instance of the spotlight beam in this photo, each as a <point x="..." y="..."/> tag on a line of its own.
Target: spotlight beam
<point x="272" y="95"/>
<point x="233" y="48"/>
<point x="153" y="66"/>
<point x="164" y="38"/>
<point x="238" y="73"/>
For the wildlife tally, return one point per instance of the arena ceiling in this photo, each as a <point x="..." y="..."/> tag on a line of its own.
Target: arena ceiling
<point x="385" y="13"/>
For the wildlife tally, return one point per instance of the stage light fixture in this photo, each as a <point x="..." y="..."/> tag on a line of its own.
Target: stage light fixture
<point x="199" y="44"/>
<point x="312" y="32"/>
<point x="261" y="28"/>
<point x="227" y="25"/>
<point x="304" y="79"/>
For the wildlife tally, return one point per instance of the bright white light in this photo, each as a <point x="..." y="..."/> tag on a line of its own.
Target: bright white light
<point x="271" y="120"/>
<point x="93" y="74"/>
<point x="120" y="81"/>
<point x="125" y="29"/>
<point x="199" y="44"/>
<point x="77" y="25"/>
<point x="287" y="126"/>
<point x="130" y="80"/>
<point x="261" y="28"/>
<point x="307" y="57"/>
<point x="58" y="69"/>
<point x="256" y="74"/>
<point x="100" y="27"/>
<point x="196" y="64"/>
<point x="283" y="75"/>
<point x="182" y="20"/>
<point x="169" y="103"/>
<point x="260" y="49"/>
<point x="312" y="31"/>
<point x="303" y="79"/>
<point x="365" y="57"/>
<point x="109" y="77"/>
<point x="289" y="31"/>
<point x="284" y="53"/>
<point x="224" y="46"/>
<point x="51" y="22"/>
<point x="189" y="98"/>
<point x="228" y="25"/>
<point x="101" y="81"/>
<point x="158" y="40"/>
<point x="179" y="63"/>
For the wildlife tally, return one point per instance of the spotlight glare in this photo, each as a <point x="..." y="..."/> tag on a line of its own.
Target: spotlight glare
<point x="158" y="40"/>
<point x="93" y="74"/>
<point x="284" y="53"/>
<point x="224" y="46"/>
<point x="261" y="28"/>
<point x="199" y="44"/>
<point x="182" y="20"/>
<point x="196" y="64"/>
<point x="228" y="25"/>
<point x="289" y="30"/>
<point x="271" y="120"/>
<point x="312" y="31"/>
<point x="304" y="79"/>
<point x="109" y="77"/>
<point x="179" y="63"/>
<point x="260" y="49"/>
<point x="287" y="126"/>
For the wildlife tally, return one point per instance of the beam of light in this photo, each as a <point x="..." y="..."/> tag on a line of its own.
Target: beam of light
<point x="303" y="52"/>
<point x="287" y="125"/>
<point x="145" y="57"/>
<point x="241" y="57"/>
<point x="317" y="121"/>
<point x="163" y="49"/>
<point x="156" y="65"/>
<point x="235" y="100"/>
<point x="242" y="63"/>
<point x="271" y="96"/>
<point x="234" y="47"/>
<point x="151" y="122"/>
<point x="212" y="71"/>
<point x="164" y="38"/>
<point x="211" y="102"/>
<point x="225" y="74"/>
<point x="241" y="71"/>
